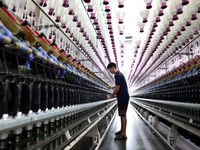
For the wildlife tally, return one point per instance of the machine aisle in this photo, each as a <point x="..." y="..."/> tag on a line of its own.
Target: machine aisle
<point x="139" y="136"/>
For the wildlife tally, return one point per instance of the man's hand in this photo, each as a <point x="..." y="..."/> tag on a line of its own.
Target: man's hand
<point x="109" y="96"/>
<point x="109" y="87"/>
<point x="117" y="87"/>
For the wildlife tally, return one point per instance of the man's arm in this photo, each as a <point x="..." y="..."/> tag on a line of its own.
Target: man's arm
<point x="111" y="87"/>
<point x="117" y="87"/>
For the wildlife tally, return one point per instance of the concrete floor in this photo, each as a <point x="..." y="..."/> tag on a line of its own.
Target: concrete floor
<point x="139" y="136"/>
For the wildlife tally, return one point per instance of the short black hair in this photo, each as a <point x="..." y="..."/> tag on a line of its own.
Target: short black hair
<point x="111" y="64"/>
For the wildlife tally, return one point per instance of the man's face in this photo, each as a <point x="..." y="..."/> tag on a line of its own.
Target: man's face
<point x="112" y="70"/>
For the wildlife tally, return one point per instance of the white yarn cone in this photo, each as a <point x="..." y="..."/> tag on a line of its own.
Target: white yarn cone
<point x="120" y="15"/>
<point x="144" y="14"/>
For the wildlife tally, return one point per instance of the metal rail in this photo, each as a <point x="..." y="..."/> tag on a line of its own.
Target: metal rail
<point x="71" y="127"/>
<point x="179" y="104"/>
<point x="7" y="125"/>
<point x="106" y="131"/>
<point x="95" y="123"/>
<point x="180" y="123"/>
<point x="153" y="129"/>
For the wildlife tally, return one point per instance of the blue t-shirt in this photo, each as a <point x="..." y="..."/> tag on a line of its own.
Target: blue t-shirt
<point x="122" y="94"/>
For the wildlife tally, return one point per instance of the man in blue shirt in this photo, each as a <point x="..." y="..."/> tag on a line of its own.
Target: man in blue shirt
<point x="121" y="90"/>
